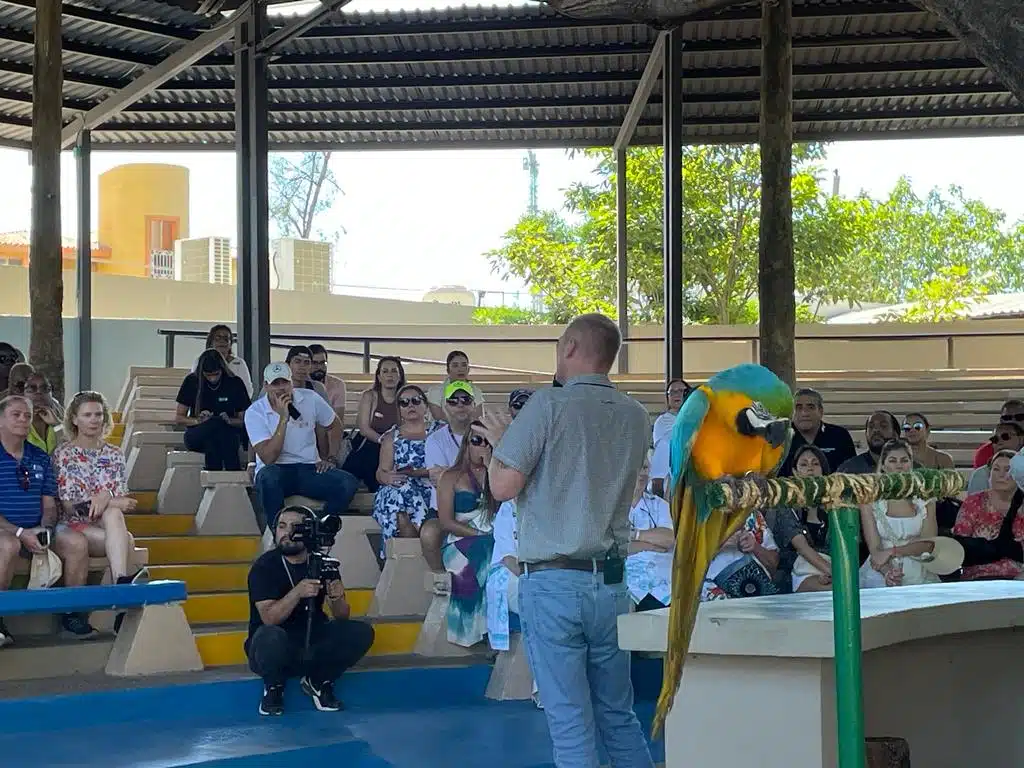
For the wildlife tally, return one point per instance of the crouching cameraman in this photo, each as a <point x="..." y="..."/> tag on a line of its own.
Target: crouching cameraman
<point x="289" y="633"/>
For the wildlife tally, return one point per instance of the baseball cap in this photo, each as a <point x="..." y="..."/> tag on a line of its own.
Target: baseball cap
<point x="458" y="386"/>
<point x="518" y="397"/>
<point x="276" y="371"/>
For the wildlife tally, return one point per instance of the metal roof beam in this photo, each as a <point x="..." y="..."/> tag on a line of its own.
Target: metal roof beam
<point x="115" y="20"/>
<point x="120" y="56"/>
<point x="642" y="94"/>
<point x="181" y="59"/>
<point x="296" y="28"/>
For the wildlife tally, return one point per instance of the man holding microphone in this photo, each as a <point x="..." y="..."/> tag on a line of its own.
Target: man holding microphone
<point x="571" y="460"/>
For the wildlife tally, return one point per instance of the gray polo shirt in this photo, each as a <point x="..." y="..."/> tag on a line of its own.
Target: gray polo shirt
<point x="581" y="447"/>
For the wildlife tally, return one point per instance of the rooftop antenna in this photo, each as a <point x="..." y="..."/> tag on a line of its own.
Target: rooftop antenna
<point x="532" y="167"/>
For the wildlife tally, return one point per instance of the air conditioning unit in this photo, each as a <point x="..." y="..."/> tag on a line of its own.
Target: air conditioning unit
<point x="204" y="260"/>
<point x="300" y="265"/>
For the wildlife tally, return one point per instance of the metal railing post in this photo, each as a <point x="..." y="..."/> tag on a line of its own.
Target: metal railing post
<point x="169" y="350"/>
<point x="366" y="355"/>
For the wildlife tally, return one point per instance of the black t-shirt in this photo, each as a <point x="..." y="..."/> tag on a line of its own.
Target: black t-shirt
<point x="271" y="578"/>
<point x="834" y="441"/>
<point x="229" y="396"/>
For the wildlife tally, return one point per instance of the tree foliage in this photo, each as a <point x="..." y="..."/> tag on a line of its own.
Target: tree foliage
<point x="301" y="188"/>
<point x="941" y="249"/>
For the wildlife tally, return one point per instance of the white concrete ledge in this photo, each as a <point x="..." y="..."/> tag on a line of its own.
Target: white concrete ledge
<point x="800" y="625"/>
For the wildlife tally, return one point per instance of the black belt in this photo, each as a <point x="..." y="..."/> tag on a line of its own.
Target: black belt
<point x="564" y="564"/>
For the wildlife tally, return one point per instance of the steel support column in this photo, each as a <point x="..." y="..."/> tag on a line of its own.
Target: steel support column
<point x="252" y="147"/>
<point x="672" y="142"/>
<point x="621" y="260"/>
<point x="83" y="268"/>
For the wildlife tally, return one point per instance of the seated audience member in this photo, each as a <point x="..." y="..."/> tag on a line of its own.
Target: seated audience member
<point x="46" y="431"/>
<point x="752" y="544"/>
<point x="502" y="590"/>
<point x="10" y="356"/>
<point x="1007" y="436"/>
<point x="211" y="403"/>
<point x="281" y="596"/>
<point x="895" y="529"/>
<point x="378" y="413"/>
<point x="402" y="502"/>
<point x="221" y="339"/>
<point x="300" y="361"/>
<point x="991" y="514"/>
<point x="810" y="428"/>
<point x="1011" y="412"/>
<point x="92" y="486"/>
<point x="659" y="470"/>
<point x="651" y="541"/>
<point x="440" y="453"/>
<point x="28" y="513"/>
<point x="334" y="386"/>
<point x="917" y="430"/>
<point x="457" y="368"/>
<point x="282" y="429"/>
<point x="880" y="428"/>
<point x="466" y="509"/>
<point x="18" y="377"/>
<point x="516" y="400"/>
<point x="675" y="393"/>
<point x="802" y="533"/>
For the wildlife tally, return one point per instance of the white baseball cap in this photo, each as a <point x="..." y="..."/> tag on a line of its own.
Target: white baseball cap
<point x="276" y="371"/>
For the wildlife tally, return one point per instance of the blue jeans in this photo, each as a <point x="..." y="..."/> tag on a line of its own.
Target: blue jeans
<point x="569" y="621"/>
<point x="276" y="482"/>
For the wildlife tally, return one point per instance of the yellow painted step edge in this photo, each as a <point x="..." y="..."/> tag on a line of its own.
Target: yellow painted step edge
<point x="148" y="524"/>
<point x="208" y="577"/>
<point x="219" y="649"/>
<point x="233" y="607"/>
<point x="178" y="550"/>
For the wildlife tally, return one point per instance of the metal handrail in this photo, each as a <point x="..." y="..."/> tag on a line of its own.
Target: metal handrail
<point x="367" y="341"/>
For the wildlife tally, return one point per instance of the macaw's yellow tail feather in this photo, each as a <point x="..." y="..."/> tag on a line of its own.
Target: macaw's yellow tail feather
<point x="696" y="545"/>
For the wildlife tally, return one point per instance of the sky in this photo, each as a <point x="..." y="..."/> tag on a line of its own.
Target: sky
<point x="414" y="220"/>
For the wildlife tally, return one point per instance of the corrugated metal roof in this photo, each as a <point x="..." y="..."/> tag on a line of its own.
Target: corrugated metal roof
<point x="510" y="75"/>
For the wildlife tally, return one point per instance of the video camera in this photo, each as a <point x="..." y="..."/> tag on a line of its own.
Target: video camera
<point x="318" y="534"/>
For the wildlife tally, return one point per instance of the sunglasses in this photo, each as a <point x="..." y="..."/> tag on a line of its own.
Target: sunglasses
<point x="24" y="479"/>
<point x="1014" y="417"/>
<point x="478" y="441"/>
<point x="43" y="389"/>
<point x="916" y="425"/>
<point x="460" y="400"/>
<point x="1003" y="437"/>
<point x="518" y="405"/>
<point x="406" y="402"/>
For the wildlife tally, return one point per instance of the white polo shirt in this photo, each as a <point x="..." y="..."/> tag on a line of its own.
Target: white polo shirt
<point x="441" y="450"/>
<point x="300" y="435"/>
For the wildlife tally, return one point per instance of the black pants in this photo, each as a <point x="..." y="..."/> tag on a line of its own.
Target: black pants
<point x="363" y="464"/>
<point x="339" y="644"/>
<point x="649" y="603"/>
<point x="220" y="442"/>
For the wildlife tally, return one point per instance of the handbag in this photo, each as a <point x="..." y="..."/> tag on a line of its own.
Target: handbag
<point x="745" y="578"/>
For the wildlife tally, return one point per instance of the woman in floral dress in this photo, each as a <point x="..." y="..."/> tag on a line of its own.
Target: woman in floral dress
<point x="983" y="515"/>
<point x="402" y="502"/>
<point x="92" y="484"/>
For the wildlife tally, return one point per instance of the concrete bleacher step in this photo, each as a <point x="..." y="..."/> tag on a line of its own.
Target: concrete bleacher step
<point x="233" y="607"/>
<point x="221" y="645"/>
<point x="176" y="550"/>
<point x="149" y="524"/>
<point x="44" y="656"/>
<point x="208" y="577"/>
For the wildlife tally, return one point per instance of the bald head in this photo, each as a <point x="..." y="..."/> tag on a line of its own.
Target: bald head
<point x="588" y="345"/>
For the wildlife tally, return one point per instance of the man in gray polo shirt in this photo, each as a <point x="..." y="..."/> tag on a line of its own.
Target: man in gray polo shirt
<point x="571" y="460"/>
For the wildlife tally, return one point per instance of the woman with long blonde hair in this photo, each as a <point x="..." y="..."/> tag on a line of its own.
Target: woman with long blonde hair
<point x="466" y="510"/>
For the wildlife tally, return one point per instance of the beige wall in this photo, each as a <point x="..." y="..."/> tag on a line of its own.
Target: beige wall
<point x="118" y="296"/>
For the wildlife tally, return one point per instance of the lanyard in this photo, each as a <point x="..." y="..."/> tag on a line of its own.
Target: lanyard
<point x="452" y="436"/>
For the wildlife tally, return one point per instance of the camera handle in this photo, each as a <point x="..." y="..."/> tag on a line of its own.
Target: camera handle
<point x="310" y="606"/>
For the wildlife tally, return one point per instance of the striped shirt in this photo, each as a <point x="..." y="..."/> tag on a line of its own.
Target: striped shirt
<point x="24" y="508"/>
<point x="581" y="447"/>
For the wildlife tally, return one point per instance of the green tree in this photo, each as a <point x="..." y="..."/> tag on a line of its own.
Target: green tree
<point x="508" y="316"/>
<point x="301" y="188"/>
<point x="902" y="248"/>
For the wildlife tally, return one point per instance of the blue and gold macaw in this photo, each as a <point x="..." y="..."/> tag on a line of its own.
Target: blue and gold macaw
<point x="736" y="425"/>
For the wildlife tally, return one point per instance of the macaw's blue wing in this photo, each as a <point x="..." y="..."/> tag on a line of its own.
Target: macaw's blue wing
<point x="684" y="434"/>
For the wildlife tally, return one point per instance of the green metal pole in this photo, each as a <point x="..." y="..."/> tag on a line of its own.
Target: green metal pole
<point x="845" y="534"/>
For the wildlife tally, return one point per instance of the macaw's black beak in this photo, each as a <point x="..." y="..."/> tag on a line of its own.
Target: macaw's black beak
<point x="755" y="422"/>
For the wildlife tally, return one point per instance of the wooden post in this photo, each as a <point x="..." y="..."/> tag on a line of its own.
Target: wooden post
<point x="45" y="273"/>
<point x="776" y="273"/>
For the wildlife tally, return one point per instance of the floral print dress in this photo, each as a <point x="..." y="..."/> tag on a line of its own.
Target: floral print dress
<point x="977" y="520"/>
<point x="413" y="496"/>
<point x="84" y="472"/>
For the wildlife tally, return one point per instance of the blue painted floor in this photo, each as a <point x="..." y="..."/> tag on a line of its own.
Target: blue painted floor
<point x="414" y="718"/>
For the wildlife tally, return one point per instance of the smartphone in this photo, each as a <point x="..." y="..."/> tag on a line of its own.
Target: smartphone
<point x="43" y="537"/>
